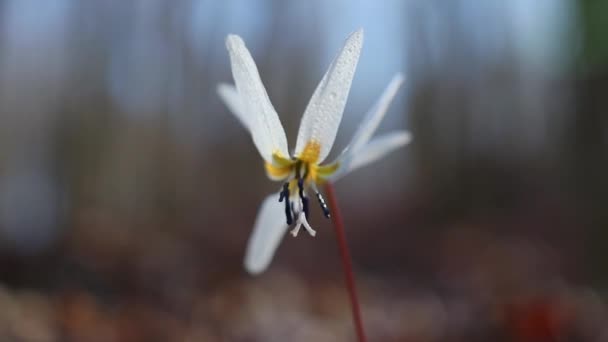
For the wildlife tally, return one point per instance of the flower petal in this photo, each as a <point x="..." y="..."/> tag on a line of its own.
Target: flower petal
<point x="373" y="151"/>
<point x="268" y="231"/>
<point x="230" y="97"/>
<point x="265" y="126"/>
<point x="323" y="114"/>
<point x="373" y="118"/>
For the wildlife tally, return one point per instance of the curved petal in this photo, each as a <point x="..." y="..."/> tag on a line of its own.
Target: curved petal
<point x="230" y="97"/>
<point x="268" y="231"/>
<point x="265" y="126"/>
<point x="373" y="118"/>
<point x="323" y="114"/>
<point x="373" y="151"/>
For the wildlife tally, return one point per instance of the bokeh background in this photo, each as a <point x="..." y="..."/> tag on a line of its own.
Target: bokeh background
<point x="128" y="191"/>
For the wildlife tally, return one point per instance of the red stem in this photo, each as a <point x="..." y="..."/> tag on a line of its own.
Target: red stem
<point x="349" y="276"/>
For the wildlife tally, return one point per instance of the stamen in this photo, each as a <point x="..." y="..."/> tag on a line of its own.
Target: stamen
<point x="323" y="205"/>
<point x="321" y="201"/>
<point x="288" y="216"/>
<point x="305" y="206"/>
<point x="303" y="196"/>
<point x="284" y="195"/>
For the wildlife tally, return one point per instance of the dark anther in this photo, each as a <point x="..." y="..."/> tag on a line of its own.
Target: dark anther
<point x="305" y="206"/>
<point x="288" y="213"/>
<point x="323" y="205"/>
<point x="284" y="195"/>
<point x="303" y="197"/>
<point x="301" y="187"/>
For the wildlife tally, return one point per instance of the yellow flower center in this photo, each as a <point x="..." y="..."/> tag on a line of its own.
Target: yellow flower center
<point x="282" y="167"/>
<point x="311" y="152"/>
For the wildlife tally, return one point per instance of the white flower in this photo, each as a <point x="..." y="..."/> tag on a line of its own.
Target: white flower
<point x="301" y="171"/>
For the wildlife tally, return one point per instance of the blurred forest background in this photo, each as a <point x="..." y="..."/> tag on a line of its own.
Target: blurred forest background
<point x="121" y="172"/>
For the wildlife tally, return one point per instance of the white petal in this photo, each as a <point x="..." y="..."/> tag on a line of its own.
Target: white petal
<point x="268" y="231"/>
<point x="265" y="126"/>
<point x="230" y="97"/>
<point x="373" y="118"/>
<point x="373" y="151"/>
<point x="324" y="111"/>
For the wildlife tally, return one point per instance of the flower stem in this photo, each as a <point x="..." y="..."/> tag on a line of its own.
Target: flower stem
<point x="346" y="261"/>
